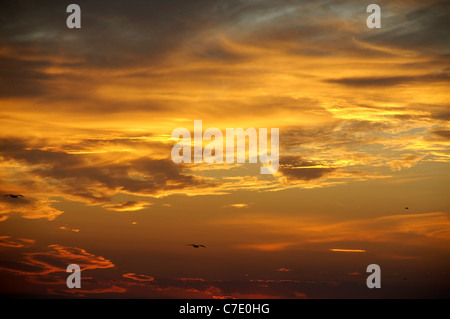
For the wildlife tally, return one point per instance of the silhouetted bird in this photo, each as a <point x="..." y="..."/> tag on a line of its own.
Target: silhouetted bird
<point x="13" y="196"/>
<point x="196" y="246"/>
<point x="406" y="207"/>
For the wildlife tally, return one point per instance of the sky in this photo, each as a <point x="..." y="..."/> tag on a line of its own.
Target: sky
<point x="86" y="117"/>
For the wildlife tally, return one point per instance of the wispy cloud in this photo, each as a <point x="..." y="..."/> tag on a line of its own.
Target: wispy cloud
<point x="137" y="277"/>
<point x="418" y="229"/>
<point x="127" y="206"/>
<point x="237" y="205"/>
<point x="55" y="260"/>
<point x="283" y="269"/>
<point x="8" y="241"/>
<point x="267" y="246"/>
<point x="342" y="250"/>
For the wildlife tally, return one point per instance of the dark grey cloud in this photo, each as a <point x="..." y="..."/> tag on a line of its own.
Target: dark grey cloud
<point x="412" y="25"/>
<point x="312" y="37"/>
<point x="122" y="141"/>
<point x="121" y="33"/>
<point x="23" y="200"/>
<point x="426" y="111"/>
<point x="146" y="34"/>
<point x="297" y="168"/>
<point x="340" y="134"/>
<point x="443" y="134"/>
<point x="79" y="175"/>
<point x="443" y="114"/>
<point x="113" y="33"/>
<point x="19" y="266"/>
<point x="390" y="80"/>
<point x="19" y="77"/>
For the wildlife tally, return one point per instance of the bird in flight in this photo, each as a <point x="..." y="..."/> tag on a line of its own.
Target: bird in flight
<point x="13" y="196"/>
<point x="406" y="207"/>
<point x="196" y="246"/>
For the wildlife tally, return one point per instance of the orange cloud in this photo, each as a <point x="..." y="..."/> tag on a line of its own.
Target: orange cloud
<point x="56" y="260"/>
<point x="223" y="297"/>
<point x="274" y="280"/>
<point x="191" y="279"/>
<point x="45" y="273"/>
<point x="69" y="229"/>
<point x="137" y="277"/>
<point x="254" y="296"/>
<point x="284" y="269"/>
<point x="7" y="241"/>
<point x="266" y="247"/>
<point x="429" y="229"/>
<point x="83" y="292"/>
<point x="348" y="250"/>
<point x="300" y="295"/>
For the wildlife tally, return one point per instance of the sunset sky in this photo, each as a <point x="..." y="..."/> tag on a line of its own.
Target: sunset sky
<point x="86" y="117"/>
